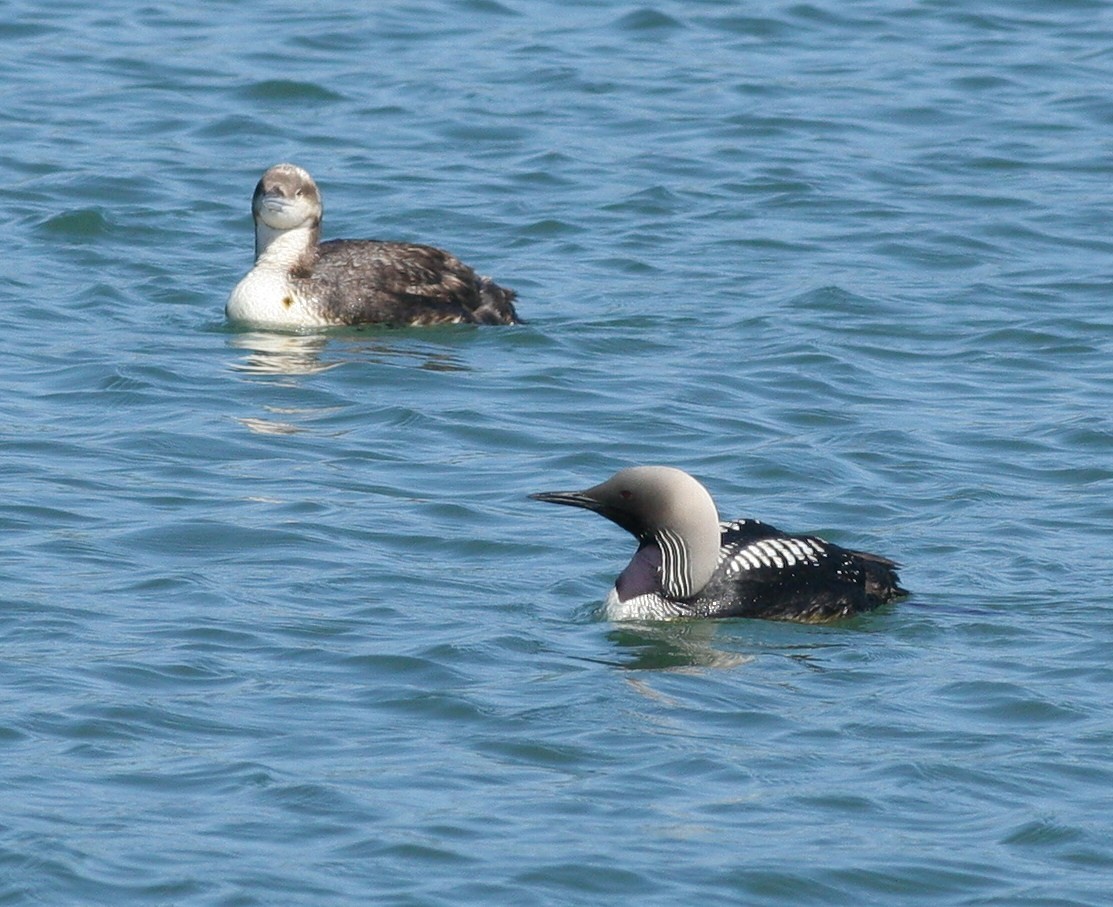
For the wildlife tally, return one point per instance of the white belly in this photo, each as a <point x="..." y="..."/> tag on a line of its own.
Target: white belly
<point x="264" y="299"/>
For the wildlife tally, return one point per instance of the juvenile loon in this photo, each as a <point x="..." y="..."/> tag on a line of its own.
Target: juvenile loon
<point x="298" y="281"/>
<point x="689" y="564"/>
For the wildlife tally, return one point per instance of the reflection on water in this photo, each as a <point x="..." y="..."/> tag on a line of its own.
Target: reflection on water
<point x="674" y="646"/>
<point x="304" y="354"/>
<point x="292" y="356"/>
<point x="281" y="354"/>
<point x="267" y="427"/>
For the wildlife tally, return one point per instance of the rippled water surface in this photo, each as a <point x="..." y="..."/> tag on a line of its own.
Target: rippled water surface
<point x="280" y="624"/>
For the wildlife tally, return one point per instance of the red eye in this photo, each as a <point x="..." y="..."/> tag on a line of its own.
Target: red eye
<point x="625" y="494"/>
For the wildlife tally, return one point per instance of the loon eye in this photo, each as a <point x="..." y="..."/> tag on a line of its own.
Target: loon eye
<point x="626" y="494"/>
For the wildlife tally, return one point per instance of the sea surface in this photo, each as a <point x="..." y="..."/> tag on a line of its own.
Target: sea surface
<point x="280" y="625"/>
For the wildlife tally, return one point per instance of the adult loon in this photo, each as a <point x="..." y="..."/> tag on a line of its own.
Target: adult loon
<point x="689" y="564"/>
<point x="300" y="282"/>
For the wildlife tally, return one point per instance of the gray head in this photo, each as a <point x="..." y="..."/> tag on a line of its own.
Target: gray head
<point x="664" y="506"/>
<point x="286" y="198"/>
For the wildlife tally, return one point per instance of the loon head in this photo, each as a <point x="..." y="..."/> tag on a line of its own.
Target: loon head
<point x="286" y="199"/>
<point x="660" y="506"/>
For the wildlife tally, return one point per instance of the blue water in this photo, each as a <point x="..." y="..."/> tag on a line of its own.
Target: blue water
<point x="280" y="625"/>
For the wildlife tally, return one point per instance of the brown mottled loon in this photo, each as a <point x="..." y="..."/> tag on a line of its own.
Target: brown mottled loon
<point x="300" y="282"/>
<point x="689" y="564"/>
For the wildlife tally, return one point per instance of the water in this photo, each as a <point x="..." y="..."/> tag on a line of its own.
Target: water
<point x="280" y="625"/>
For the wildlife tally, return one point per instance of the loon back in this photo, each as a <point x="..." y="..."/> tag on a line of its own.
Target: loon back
<point x="763" y="572"/>
<point x="361" y="281"/>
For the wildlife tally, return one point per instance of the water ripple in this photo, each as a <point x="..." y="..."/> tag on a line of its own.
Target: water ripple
<point x="280" y="622"/>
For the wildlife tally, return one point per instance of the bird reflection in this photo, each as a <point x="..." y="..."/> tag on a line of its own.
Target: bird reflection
<point x="281" y="354"/>
<point x="269" y="353"/>
<point x="674" y="646"/>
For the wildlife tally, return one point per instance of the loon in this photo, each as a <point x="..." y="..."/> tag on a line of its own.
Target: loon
<point x="689" y="564"/>
<point x="300" y="282"/>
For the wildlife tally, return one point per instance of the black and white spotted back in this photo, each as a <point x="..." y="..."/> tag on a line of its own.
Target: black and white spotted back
<point x="763" y="572"/>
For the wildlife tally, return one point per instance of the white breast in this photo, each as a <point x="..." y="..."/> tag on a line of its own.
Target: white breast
<point x="640" y="607"/>
<point x="264" y="298"/>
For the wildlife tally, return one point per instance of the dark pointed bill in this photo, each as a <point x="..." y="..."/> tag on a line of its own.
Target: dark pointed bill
<point x="571" y="498"/>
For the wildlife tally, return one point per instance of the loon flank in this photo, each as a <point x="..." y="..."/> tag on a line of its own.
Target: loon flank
<point x="300" y="282"/>
<point x="688" y="564"/>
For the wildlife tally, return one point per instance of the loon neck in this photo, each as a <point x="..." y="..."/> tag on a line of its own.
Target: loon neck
<point x="285" y="249"/>
<point x="689" y="555"/>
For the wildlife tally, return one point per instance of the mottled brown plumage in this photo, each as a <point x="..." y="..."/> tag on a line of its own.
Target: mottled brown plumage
<point x="408" y="283"/>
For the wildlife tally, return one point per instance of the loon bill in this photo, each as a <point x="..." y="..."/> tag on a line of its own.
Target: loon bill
<point x="299" y="282"/>
<point x="689" y="564"/>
